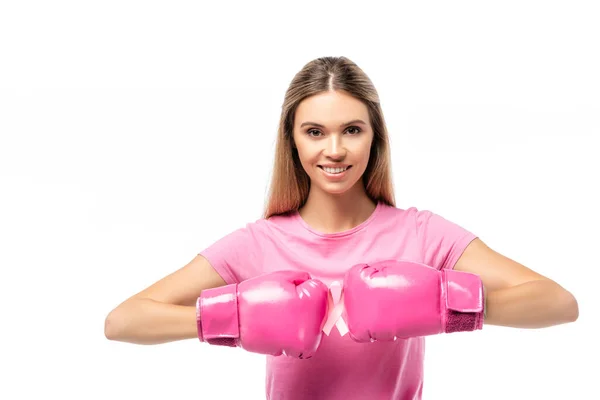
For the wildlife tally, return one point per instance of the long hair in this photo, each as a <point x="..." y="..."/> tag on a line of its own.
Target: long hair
<point x="290" y="184"/>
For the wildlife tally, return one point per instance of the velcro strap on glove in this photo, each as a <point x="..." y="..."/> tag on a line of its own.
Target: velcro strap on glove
<point x="217" y="316"/>
<point x="464" y="300"/>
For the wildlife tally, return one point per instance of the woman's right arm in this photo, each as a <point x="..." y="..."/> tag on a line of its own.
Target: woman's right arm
<point x="165" y="311"/>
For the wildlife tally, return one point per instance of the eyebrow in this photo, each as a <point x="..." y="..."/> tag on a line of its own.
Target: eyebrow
<point x="354" y="121"/>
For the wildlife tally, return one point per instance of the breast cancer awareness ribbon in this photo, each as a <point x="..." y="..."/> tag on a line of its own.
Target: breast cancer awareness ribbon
<point x="336" y="307"/>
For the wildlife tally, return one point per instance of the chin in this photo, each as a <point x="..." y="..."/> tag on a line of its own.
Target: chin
<point x="337" y="189"/>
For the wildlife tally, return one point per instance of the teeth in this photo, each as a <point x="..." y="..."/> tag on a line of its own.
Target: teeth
<point x="334" y="170"/>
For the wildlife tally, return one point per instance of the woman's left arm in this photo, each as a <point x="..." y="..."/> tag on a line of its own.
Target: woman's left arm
<point x="516" y="296"/>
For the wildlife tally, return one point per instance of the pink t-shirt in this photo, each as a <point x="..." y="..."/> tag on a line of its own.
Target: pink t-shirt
<point x="341" y="368"/>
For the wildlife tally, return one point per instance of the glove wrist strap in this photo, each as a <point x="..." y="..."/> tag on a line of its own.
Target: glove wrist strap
<point x="465" y="300"/>
<point x="217" y="316"/>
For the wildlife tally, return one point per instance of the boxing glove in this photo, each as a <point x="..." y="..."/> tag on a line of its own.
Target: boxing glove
<point x="277" y="313"/>
<point x="399" y="299"/>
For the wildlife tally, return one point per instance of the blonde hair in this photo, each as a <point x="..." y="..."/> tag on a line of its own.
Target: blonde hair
<point x="290" y="184"/>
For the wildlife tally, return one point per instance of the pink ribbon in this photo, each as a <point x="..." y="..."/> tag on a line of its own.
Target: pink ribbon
<point x="336" y="308"/>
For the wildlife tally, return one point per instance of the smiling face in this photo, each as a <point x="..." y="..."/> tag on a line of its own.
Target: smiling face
<point x="333" y="135"/>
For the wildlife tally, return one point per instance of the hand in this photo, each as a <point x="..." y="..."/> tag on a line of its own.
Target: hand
<point x="400" y="299"/>
<point x="278" y="313"/>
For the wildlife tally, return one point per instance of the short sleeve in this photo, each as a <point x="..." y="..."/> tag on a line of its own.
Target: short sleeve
<point x="442" y="241"/>
<point x="235" y="256"/>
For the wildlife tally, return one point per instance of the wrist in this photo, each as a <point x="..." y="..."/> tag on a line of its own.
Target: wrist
<point x="484" y="303"/>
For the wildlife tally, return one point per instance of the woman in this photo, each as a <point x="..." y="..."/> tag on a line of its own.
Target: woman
<point x="331" y="222"/>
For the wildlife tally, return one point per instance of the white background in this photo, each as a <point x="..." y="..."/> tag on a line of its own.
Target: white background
<point x="135" y="134"/>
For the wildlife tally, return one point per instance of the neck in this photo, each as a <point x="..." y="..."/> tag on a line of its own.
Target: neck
<point x="329" y="213"/>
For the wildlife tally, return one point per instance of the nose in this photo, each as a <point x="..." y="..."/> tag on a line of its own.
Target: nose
<point x="335" y="147"/>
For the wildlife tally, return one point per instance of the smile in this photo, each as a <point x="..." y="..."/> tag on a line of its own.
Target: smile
<point x="339" y="170"/>
<point x="335" y="173"/>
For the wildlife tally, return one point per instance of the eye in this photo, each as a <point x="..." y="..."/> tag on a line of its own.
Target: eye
<point x="353" y="130"/>
<point x="356" y="128"/>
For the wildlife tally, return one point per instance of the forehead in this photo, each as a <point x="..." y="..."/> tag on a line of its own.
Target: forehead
<point x="331" y="108"/>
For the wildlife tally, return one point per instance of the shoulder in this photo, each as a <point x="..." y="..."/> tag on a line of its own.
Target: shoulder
<point x="406" y="215"/>
<point x="420" y="216"/>
<point x="268" y="227"/>
<point x="423" y="221"/>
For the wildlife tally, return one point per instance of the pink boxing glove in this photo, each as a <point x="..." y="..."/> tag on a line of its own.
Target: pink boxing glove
<point x="400" y="299"/>
<point x="278" y="313"/>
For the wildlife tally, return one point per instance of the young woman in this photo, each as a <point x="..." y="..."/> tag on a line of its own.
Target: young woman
<point x="332" y="249"/>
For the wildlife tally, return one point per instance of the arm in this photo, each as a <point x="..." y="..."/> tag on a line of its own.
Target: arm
<point x="165" y="311"/>
<point x="516" y="296"/>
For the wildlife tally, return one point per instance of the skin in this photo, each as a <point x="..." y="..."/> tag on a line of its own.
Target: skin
<point x="323" y="136"/>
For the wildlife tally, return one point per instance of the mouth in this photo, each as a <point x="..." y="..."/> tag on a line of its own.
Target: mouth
<point x="335" y="172"/>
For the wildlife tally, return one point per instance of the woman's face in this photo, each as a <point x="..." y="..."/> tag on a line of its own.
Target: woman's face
<point x="333" y="135"/>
